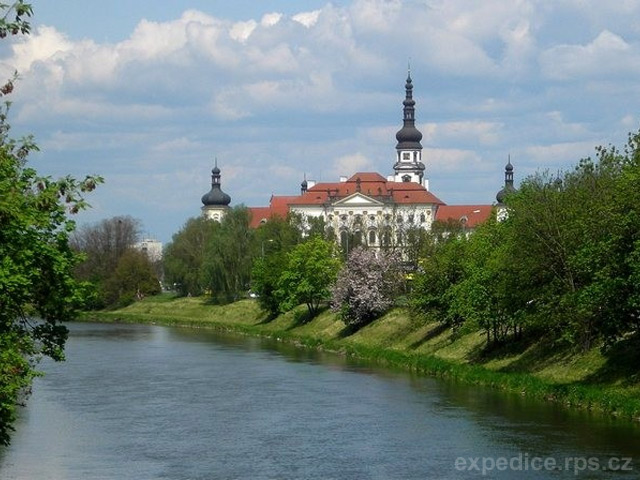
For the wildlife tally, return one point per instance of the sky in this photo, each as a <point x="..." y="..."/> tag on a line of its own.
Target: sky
<point x="149" y="94"/>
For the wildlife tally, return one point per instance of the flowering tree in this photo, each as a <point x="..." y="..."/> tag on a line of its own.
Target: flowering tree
<point x="367" y="285"/>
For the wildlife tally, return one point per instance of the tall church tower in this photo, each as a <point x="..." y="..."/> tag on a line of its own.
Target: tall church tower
<point x="409" y="166"/>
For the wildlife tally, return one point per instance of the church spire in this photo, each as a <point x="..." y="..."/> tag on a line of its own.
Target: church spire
<point x="409" y="166"/>
<point x="508" y="181"/>
<point x="215" y="196"/>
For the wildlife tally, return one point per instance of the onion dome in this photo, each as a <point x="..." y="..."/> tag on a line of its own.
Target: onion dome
<point x="508" y="182"/>
<point x="215" y="196"/>
<point x="409" y="136"/>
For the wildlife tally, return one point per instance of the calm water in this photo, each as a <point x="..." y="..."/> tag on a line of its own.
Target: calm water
<point x="145" y="402"/>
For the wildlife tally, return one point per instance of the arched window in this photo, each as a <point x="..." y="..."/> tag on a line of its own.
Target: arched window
<point x="422" y="218"/>
<point x="372" y="237"/>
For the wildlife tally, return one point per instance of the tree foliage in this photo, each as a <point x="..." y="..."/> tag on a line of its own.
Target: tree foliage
<point x="212" y="257"/>
<point x="311" y="270"/>
<point x="276" y="238"/>
<point x="226" y="269"/>
<point x="367" y="285"/>
<point x="37" y="287"/>
<point x="133" y="279"/>
<point x="185" y="254"/>
<point x="564" y="263"/>
<point x="103" y="245"/>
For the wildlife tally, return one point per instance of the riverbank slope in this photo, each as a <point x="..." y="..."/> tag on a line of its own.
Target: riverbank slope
<point x="606" y="383"/>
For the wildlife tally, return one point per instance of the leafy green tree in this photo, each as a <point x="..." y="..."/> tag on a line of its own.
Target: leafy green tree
<point x="490" y="293"/>
<point x="37" y="287"/>
<point x="312" y="268"/>
<point x="437" y="272"/>
<point x="133" y="279"/>
<point x="184" y="256"/>
<point x="367" y="285"/>
<point x="276" y="238"/>
<point x="226" y="269"/>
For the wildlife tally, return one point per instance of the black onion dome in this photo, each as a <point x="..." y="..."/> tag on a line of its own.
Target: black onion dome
<point x="215" y="196"/>
<point x="409" y="136"/>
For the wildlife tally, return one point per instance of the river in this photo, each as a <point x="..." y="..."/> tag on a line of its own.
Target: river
<point x="149" y="402"/>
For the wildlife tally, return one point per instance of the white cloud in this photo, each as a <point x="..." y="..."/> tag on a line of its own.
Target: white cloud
<point x="451" y="160"/>
<point x="320" y="92"/>
<point x="308" y="19"/>
<point x="241" y="31"/>
<point x="553" y="155"/>
<point x="349" y="164"/>
<point x="608" y="53"/>
<point x="270" y="19"/>
<point x="43" y="45"/>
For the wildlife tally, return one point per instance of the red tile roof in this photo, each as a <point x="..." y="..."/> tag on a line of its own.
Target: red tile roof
<point x="377" y="187"/>
<point x="474" y="214"/>
<point x="278" y="207"/>
<point x="368" y="183"/>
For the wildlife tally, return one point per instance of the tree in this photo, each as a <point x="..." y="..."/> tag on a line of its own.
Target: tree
<point x="439" y="269"/>
<point x="311" y="270"/>
<point x="37" y="287"/>
<point x="133" y="279"/>
<point x="367" y="285"/>
<point x="226" y="269"/>
<point x="103" y="244"/>
<point x="276" y="238"/>
<point x="185" y="255"/>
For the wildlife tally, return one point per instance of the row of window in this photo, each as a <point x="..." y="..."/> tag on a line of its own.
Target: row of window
<point x="372" y="238"/>
<point x="388" y="217"/>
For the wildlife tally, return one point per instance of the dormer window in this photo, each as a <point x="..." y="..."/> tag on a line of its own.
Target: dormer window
<point x="406" y="178"/>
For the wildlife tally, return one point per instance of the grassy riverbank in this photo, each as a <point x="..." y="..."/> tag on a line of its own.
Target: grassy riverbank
<point x="606" y="383"/>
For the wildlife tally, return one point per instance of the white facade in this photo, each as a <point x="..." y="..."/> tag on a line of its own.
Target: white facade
<point x="150" y="247"/>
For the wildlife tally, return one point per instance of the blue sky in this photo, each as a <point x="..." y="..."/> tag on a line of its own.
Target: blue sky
<point x="149" y="93"/>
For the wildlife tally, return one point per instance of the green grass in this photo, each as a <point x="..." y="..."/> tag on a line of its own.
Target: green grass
<point x="607" y="383"/>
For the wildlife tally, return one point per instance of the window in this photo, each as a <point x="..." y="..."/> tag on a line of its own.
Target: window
<point x="406" y="156"/>
<point x="422" y="218"/>
<point x="372" y="237"/>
